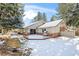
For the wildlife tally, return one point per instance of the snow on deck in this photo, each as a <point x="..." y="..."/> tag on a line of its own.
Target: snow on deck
<point x="61" y="46"/>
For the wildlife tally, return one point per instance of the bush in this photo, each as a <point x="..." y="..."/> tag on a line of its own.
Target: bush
<point x="77" y="32"/>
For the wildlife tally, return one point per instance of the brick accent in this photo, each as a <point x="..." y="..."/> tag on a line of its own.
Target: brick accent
<point x="62" y="28"/>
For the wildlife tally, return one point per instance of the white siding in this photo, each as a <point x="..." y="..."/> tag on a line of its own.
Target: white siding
<point x="28" y="30"/>
<point x="53" y="29"/>
<point x="39" y="30"/>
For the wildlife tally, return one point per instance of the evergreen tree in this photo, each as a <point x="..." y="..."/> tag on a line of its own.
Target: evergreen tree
<point x="53" y="18"/>
<point x="11" y="15"/>
<point x="70" y="13"/>
<point x="40" y="16"/>
<point x="44" y="17"/>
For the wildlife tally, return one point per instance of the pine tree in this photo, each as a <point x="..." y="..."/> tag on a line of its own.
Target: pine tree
<point x="70" y="13"/>
<point x="53" y="18"/>
<point x="11" y="15"/>
<point x="40" y="16"/>
<point x="44" y="17"/>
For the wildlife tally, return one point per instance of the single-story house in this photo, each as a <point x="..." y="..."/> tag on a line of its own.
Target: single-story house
<point x="53" y="28"/>
<point x="41" y="26"/>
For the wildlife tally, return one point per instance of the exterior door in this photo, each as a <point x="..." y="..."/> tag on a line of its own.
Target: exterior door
<point x="32" y="31"/>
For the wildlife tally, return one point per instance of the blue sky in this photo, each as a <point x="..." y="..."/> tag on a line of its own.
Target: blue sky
<point x="46" y="5"/>
<point x="31" y="9"/>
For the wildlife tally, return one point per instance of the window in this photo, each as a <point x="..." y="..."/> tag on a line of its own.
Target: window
<point x="43" y="30"/>
<point x="0" y="30"/>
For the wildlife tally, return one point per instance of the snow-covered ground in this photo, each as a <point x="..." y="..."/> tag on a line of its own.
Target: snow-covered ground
<point x="37" y="37"/>
<point x="61" y="46"/>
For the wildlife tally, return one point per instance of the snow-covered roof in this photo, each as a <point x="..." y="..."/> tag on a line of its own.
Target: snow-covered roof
<point x="33" y="23"/>
<point x="50" y="24"/>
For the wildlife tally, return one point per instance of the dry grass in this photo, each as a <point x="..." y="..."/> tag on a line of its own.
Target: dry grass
<point x="13" y="43"/>
<point x="77" y="32"/>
